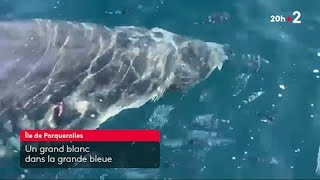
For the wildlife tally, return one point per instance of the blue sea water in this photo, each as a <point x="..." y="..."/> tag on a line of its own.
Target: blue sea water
<point x="238" y="97"/>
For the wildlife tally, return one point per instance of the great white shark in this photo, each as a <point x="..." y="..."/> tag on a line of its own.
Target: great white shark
<point x="95" y="70"/>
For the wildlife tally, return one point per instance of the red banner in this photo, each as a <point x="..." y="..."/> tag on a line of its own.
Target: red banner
<point x="90" y="136"/>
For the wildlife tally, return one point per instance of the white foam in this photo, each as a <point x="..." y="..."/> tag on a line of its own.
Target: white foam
<point x="254" y="96"/>
<point x="160" y="116"/>
<point x="214" y="141"/>
<point x="81" y="106"/>
<point x="198" y="134"/>
<point x="274" y="161"/>
<point x="22" y="176"/>
<point x="318" y="163"/>
<point x="315" y="71"/>
<point x="204" y="119"/>
<point x="173" y="143"/>
<point x="140" y="173"/>
<point x="204" y="96"/>
<point x="281" y="86"/>
<point x="242" y="81"/>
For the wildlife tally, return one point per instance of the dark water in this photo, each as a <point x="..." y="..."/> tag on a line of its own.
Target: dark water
<point x="286" y="148"/>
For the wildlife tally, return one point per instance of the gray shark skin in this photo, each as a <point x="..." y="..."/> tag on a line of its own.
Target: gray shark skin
<point x="95" y="70"/>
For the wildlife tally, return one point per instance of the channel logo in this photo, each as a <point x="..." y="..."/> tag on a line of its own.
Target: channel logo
<point x="278" y="18"/>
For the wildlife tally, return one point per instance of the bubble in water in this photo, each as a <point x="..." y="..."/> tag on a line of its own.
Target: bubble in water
<point x="203" y="168"/>
<point x="282" y="86"/>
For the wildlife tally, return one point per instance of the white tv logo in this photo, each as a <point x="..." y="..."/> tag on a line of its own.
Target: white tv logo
<point x="281" y="19"/>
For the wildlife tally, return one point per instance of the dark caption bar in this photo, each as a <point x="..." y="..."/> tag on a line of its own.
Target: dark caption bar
<point x="90" y="149"/>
